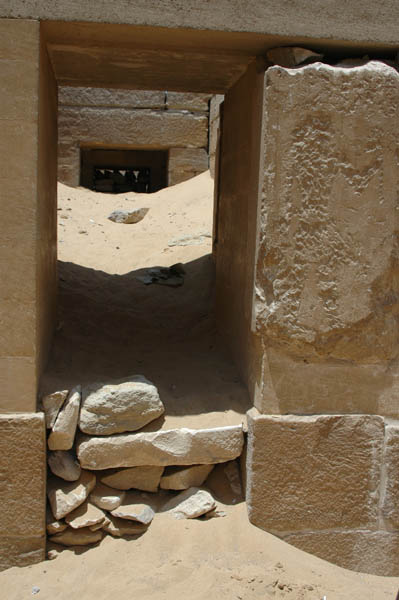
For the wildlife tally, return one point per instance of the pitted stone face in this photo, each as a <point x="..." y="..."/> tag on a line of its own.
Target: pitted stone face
<point x="327" y="273"/>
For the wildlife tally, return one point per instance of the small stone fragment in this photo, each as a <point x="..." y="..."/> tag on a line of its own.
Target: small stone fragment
<point x="291" y="56"/>
<point x="118" y="406"/>
<point x="63" y="433"/>
<point x="128" y="216"/>
<point x="85" y="515"/>
<point x="77" y="537"/>
<point x="182" y="478"/>
<point x="141" y="478"/>
<point x="52" y="525"/>
<point x="63" y="464"/>
<point x="120" y="527"/>
<point x="190" y="504"/>
<point x="105" y="497"/>
<point x="52" y="404"/>
<point x="134" y="508"/>
<point x="52" y="554"/>
<point x="100" y="525"/>
<point x="64" y="496"/>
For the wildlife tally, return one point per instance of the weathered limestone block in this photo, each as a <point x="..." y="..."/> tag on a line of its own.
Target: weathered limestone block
<point x="161" y="448"/>
<point x="182" y="478"/>
<point x="63" y="432"/>
<point x="120" y="126"/>
<point x="313" y="473"/>
<point x="63" y="464"/>
<point x="375" y="552"/>
<point x="187" y="101"/>
<point x="134" y="508"/>
<point x="23" y="489"/>
<point x="125" y="405"/>
<point x="190" y="504"/>
<point x="77" y="537"/>
<point x="121" y="527"/>
<point x="52" y="404"/>
<point x="86" y="515"/>
<point x="64" y="496"/>
<point x="291" y="56"/>
<point x="141" y="478"/>
<point x="390" y="504"/>
<point x="102" y="97"/>
<point x="326" y="280"/>
<point x="185" y="163"/>
<point x="105" y="497"/>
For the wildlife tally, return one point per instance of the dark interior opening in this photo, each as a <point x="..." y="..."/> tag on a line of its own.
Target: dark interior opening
<point x="117" y="171"/>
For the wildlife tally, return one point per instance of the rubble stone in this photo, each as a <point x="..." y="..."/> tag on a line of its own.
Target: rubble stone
<point x="190" y="504"/>
<point x="182" y="478"/>
<point x="124" y="405"/>
<point x="120" y="527"/>
<point x="77" y="537"/>
<point x="128" y="216"/>
<point x="52" y="404"/>
<point x="162" y="448"/>
<point x="64" y="465"/>
<point x="86" y="515"/>
<point x="64" y="496"/>
<point x="141" y="478"/>
<point x="105" y="497"/>
<point x="63" y="433"/>
<point x="134" y="508"/>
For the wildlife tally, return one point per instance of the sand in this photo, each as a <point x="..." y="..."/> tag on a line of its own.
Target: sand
<point x="112" y="325"/>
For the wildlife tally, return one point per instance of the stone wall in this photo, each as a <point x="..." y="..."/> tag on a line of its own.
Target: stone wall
<point x="103" y="118"/>
<point x="322" y="456"/>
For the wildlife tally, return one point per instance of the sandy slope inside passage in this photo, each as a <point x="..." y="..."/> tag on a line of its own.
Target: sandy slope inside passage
<point x="111" y="325"/>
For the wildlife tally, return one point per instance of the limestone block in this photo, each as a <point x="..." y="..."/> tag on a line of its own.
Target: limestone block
<point x="187" y="101"/>
<point x="103" y="97"/>
<point x="390" y="504"/>
<point x="121" y="527"/>
<point x="62" y="435"/>
<point x="18" y="384"/>
<point x="134" y="508"/>
<point x="326" y="274"/>
<point x="52" y="404"/>
<point x="141" y="478"/>
<point x="190" y="504"/>
<point x="23" y="489"/>
<point x="216" y="101"/>
<point x="63" y="464"/>
<point x="77" y="537"/>
<point x="86" y="515"/>
<point x="64" y="496"/>
<point x="161" y="448"/>
<point x="124" y="405"/>
<point x="313" y="473"/>
<point x="375" y="552"/>
<point x="291" y="56"/>
<point x="119" y="126"/>
<point x="185" y="163"/>
<point x="105" y="497"/>
<point x="182" y="478"/>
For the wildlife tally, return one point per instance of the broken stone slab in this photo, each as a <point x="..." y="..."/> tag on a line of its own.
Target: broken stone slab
<point x="161" y="448"/>
<point x="182" y="478"/>
<point x="102" y="524"/>
<point x="63" y="464"/>
<point x="86" y="515"/>
<point x="52" y="525"/>
<point x="134" y="508"/>
<point x="120" y="527"/>
<point x="118" y="406"/>
<point x="190" y="504"/>
<point x="141" y="478"/>
<point x="105" y="497"/>
<point x="77" y="537"/>
<point x="51" y="405"/>
<point x="128" y="217"/>
<point x="64" y="496"/>
<point x="291" y="56"/>
<point x="63" y="433"/>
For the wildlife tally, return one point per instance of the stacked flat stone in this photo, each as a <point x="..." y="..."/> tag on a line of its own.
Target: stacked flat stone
<point x="109" y="477"/>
